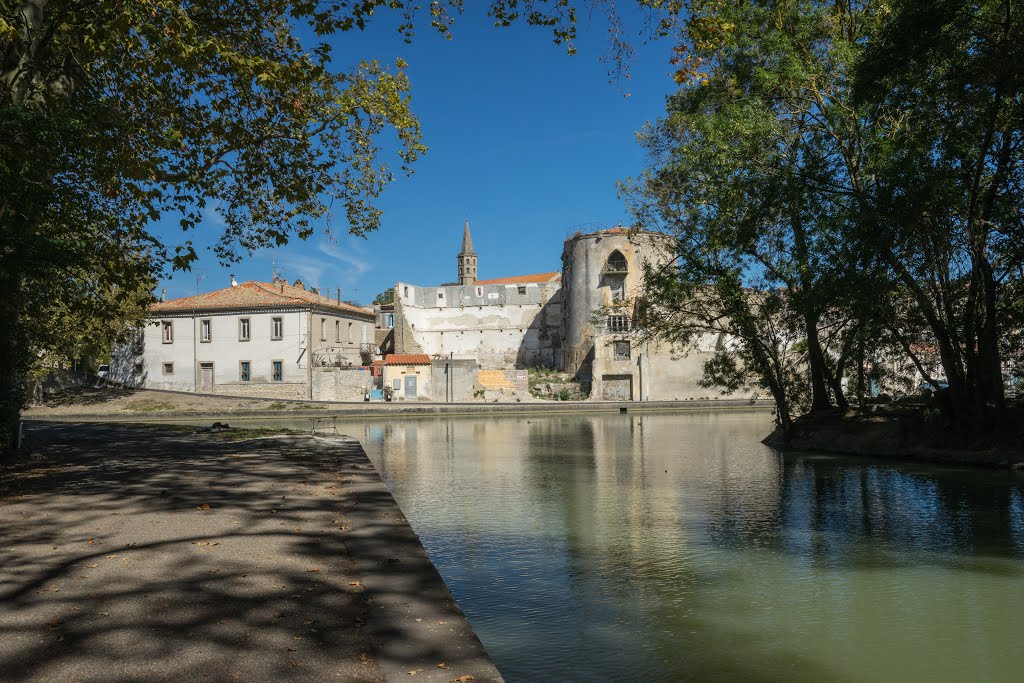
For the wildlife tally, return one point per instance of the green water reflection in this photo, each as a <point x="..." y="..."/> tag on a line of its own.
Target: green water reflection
<point x="677" y="547"/>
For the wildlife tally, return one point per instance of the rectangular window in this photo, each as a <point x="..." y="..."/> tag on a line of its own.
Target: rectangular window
<point x="521" y="289"/>
<point x="350" y="333"/>
<point x="168" y="368"/>
<point x="389" y="320"/>
<point x="277" y="370"/>
<point x="243" y="371"/>
<point x="138" y="369"/>
<point x="337" y="330"/>
<point x="277" y="328"/>
<point x="243" y="329"/>
<point x="620" y="350"/>
<point x="323" y="329"/>
<point x="479" y="291"/>
<point x="618" y="323"/>
<point x="167" y="331"/>
<point x="204" y="330"/>
<point x="396" y="384"/>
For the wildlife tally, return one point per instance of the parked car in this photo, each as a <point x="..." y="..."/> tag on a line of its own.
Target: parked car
<point x="103" y="372"/>
<point x="932" y="386"/>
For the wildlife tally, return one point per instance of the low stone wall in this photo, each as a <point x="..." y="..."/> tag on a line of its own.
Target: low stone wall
<point x="458" y="375"/>
<point x="59" y="380"/>
<point x="293" y="391"/>
<point x="340" y="384"/>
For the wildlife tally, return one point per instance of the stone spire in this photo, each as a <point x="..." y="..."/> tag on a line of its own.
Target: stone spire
<point x="467" y="259"/>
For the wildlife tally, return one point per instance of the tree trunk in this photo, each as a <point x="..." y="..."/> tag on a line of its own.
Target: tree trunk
<point x="12" y="355"/>
<point x="816" y="361"/>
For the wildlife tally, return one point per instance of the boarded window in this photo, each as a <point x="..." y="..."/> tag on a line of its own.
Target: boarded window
<point x="277" y="370"/>
<point x="244" y="371"/>
<point x="168" y="368"/>
<point x="620" y="350"/>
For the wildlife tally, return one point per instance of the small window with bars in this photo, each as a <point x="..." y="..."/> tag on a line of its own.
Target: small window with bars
<point x="618" y="323"/>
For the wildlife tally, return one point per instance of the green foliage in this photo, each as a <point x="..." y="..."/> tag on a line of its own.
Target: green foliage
<point x="844" y="183"/>
<point x="384" y="298"/>
<point x="115" y="113"/>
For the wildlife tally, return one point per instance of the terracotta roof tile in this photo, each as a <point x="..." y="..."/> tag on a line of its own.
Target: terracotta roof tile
<point x="407" y="359"/>
<point x="523" y="279"/>
<point x="254" y="294"/>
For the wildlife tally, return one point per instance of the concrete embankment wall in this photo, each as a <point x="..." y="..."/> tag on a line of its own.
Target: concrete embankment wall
<point x="396" y="410"/>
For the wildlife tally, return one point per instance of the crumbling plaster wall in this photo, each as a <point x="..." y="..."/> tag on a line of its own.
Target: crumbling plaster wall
<point x="659" y="370"/>
<point x="588" y="289"/>
<point x="499" y="325"/>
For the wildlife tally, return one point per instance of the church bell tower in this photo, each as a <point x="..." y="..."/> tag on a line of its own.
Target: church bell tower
<point x="467" y="259"/>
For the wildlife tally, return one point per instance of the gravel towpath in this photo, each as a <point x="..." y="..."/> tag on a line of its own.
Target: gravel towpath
<point x="135" y="555"/>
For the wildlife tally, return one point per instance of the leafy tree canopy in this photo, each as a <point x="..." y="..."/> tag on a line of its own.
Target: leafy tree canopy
<point x="385" y="297"/>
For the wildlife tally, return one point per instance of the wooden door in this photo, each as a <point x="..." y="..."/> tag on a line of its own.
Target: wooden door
<point x="206" y="377"/>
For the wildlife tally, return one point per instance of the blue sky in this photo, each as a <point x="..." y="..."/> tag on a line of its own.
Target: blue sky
<point x="523" y="139"/>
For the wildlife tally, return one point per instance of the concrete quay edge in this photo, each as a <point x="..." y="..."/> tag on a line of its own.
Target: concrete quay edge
<point x="418" y="409"/>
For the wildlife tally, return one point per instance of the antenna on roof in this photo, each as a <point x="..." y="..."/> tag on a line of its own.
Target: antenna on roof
<point x="199" y="276"/>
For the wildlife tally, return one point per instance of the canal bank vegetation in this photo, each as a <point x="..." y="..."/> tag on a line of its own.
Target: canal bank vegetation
<point x="844" y="183"/>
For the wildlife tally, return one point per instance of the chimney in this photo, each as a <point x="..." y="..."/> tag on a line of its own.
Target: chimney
<point x="339" y="295"/>
<point x="163" y="294"/>
<point x="233" y="283"/>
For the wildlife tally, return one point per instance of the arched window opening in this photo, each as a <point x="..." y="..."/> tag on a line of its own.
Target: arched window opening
<point x="616" y="263"/>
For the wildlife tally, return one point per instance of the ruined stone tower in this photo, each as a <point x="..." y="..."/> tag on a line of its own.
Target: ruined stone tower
<point x="467" y="259"/>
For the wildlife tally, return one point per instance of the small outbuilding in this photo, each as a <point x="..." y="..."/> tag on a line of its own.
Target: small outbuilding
<point x="408" y="375"/>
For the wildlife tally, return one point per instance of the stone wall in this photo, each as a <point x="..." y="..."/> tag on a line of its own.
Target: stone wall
<point x="460" y="377"/>
<point x="340" y="384"/>
<point x="501" y="326"/>
<point x="295" y="391"/>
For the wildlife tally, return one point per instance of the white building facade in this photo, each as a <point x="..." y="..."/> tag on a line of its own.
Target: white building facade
<point x="253" y="339"/>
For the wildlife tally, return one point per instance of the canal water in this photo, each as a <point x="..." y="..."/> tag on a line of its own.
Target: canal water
<point x="675" y="546"/>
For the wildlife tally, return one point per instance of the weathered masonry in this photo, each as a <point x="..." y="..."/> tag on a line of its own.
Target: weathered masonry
<point x="580" y="320"/>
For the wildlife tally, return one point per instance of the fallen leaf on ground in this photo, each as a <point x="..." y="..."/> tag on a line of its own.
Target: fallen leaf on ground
<point x="442" y="665"/>
<point x="291" y="649"/>
<point x="91" y="566"/>
<point x="91" y="541"/>
<point x="56" y="621"/>
<point x="206" y="506"/>
<point x="236" y="675"/>
<point x="312" y="570"/>
<point x="354" y="583"/>
<point x="462" y="679"/>
<point x="110" y="557"/>
<point x="414" y="672"/>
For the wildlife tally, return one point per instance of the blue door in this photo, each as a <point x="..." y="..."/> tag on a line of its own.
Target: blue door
<point x="410" y="386"/>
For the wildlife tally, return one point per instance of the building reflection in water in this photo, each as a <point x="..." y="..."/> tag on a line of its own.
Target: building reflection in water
<point x="677" y="546"/>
